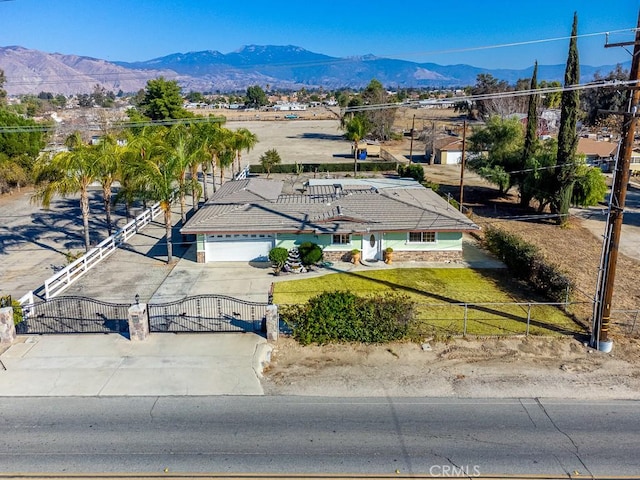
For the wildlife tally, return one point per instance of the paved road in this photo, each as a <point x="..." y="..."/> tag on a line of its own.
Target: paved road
<point x="307" y="434"/>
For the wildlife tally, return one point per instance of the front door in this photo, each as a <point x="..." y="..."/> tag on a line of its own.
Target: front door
<point x="371" y="247"/>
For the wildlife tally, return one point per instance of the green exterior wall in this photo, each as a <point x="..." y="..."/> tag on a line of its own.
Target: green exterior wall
<point x="200" y="242"/>
<point x="397" y="241"/>
<point x="444" y="241"/>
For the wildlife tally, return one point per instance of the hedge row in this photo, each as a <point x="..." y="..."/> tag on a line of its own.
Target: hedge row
<point x="326" y="167"/>
<point x="525" y="261"/>
<point x="346" y="317"/>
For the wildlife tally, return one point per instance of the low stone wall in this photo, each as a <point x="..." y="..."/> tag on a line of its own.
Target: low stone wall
<point x="336" y="256"/>
<point x="403" y="256"/>
<point x="428" y="256"/>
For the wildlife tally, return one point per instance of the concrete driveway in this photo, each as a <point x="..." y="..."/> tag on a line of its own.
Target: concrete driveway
<point x="112" y="365"/>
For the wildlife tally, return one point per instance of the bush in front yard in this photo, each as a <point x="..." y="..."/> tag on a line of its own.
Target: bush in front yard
<point x="525" y="261"/>
<point x="278" y="257"/>
<point x="310" y="253"/>
<point x="345" y="317"/>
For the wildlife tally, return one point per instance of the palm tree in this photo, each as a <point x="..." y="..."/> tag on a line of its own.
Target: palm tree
<point x="243" y="139"/>
<point x="179" y="145"/>
<point x="67" y="173"/>
<point x="268" y="159"/>
<point x="355" y="130"/>
<point x="224" y="147"/>
<point x="158" y="177"/>
<point x="205" y="135"/>
<point x="140" y="144"/>
<point x="108" y="156"/>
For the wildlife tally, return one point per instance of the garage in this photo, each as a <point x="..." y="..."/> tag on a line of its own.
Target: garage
<point x="238" y="247"/>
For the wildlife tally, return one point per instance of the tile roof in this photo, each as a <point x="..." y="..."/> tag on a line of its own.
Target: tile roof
<point x="344" y="206"/>
<point x="591" y="147"/>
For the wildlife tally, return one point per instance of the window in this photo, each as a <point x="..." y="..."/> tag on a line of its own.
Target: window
<point x="341" y="239"/>
<point x="422" y="237"/>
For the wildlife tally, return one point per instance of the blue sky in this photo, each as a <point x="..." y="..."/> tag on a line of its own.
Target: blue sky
<point x="417" y="30"/>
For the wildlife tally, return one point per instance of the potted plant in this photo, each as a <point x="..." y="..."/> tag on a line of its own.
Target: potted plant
<point x="388" y="255"/>
<point x="355" y="256"/>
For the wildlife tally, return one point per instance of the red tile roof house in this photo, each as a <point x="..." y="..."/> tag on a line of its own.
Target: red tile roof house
<point x="244" y="219"/>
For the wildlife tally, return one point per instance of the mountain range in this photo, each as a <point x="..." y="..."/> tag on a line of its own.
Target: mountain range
<point x="282" y="67"/>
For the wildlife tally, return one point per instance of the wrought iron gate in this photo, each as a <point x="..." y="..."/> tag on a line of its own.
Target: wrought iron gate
<point x="74" y="315"/>
<point x="207" y="313"/>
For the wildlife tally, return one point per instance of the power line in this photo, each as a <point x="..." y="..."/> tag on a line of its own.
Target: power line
<point x="496" y="95"/>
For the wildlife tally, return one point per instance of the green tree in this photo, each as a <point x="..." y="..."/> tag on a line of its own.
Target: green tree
<point x="551" y="99"/>
<point x="26" y="140"/>
<point x="590" y="187"/>
<point x="595" y="100"/>
<point x="196" y="97"/>
<point x="162" y="100"/>
<point x="502" y="139"/>
<point x="67" y="173"/>
<point x="268" y="159"/>
<point x="3" y="92"/>
<point x="487" y="84"/>
<point x="380" y="120"/>
<point x="530" y="141"/>
<point x="567" y="135"/>
<point x="256" y="97"/>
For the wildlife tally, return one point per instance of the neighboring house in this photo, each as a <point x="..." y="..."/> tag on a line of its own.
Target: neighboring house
<point x="245" y="219"/>
<point x="446" y="151"/>
<point x="598" y="154"/>
<point x="635" y="162"/>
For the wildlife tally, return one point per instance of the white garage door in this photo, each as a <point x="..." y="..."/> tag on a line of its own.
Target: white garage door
<point x="238" y="248"/>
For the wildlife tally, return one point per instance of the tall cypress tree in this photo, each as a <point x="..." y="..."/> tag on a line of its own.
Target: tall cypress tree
<point x="567" y="136"/>
<point x="530" y="140"/>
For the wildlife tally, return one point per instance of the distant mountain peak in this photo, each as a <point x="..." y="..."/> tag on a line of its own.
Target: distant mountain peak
<point x="280" y="66"/>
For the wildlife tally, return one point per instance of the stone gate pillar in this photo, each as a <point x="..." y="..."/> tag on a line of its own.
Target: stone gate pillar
<point x="7" y="328"/>
<point x="273" y="323"/>
<point x="138" y="322"/>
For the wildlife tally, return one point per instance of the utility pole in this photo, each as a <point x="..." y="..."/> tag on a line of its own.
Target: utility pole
<point x="413" y="125"/>
<point x="464" y="148"/>
<point x="602" y="306"/>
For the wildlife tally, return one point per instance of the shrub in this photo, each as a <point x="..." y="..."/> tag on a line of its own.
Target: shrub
<point x="310" y="253"/>
<point x="278" y="257"/>
<point x="345" y="317"/>
<point x="320" y="168"/>
<point x="17" y="312"/>
<point x="525" y="261"/>
<point x="413" y="170"/>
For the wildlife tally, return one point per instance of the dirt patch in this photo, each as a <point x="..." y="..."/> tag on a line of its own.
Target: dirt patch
<point x="479" y="368"/>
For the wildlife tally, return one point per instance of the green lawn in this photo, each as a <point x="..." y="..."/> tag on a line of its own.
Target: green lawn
<point x="434" y="290"/>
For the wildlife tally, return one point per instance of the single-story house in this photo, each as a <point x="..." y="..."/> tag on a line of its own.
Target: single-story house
<point x="635" y="162"/>
<point x="245" y="219"/>
<point x="598" y="154"/>
<point x="446" y="151"/>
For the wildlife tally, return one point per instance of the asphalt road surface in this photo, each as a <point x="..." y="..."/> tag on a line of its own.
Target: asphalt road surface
<point x="441" y="437"/>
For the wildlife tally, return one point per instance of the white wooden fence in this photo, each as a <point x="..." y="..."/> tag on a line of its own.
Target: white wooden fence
<point x="67" y="276"/>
